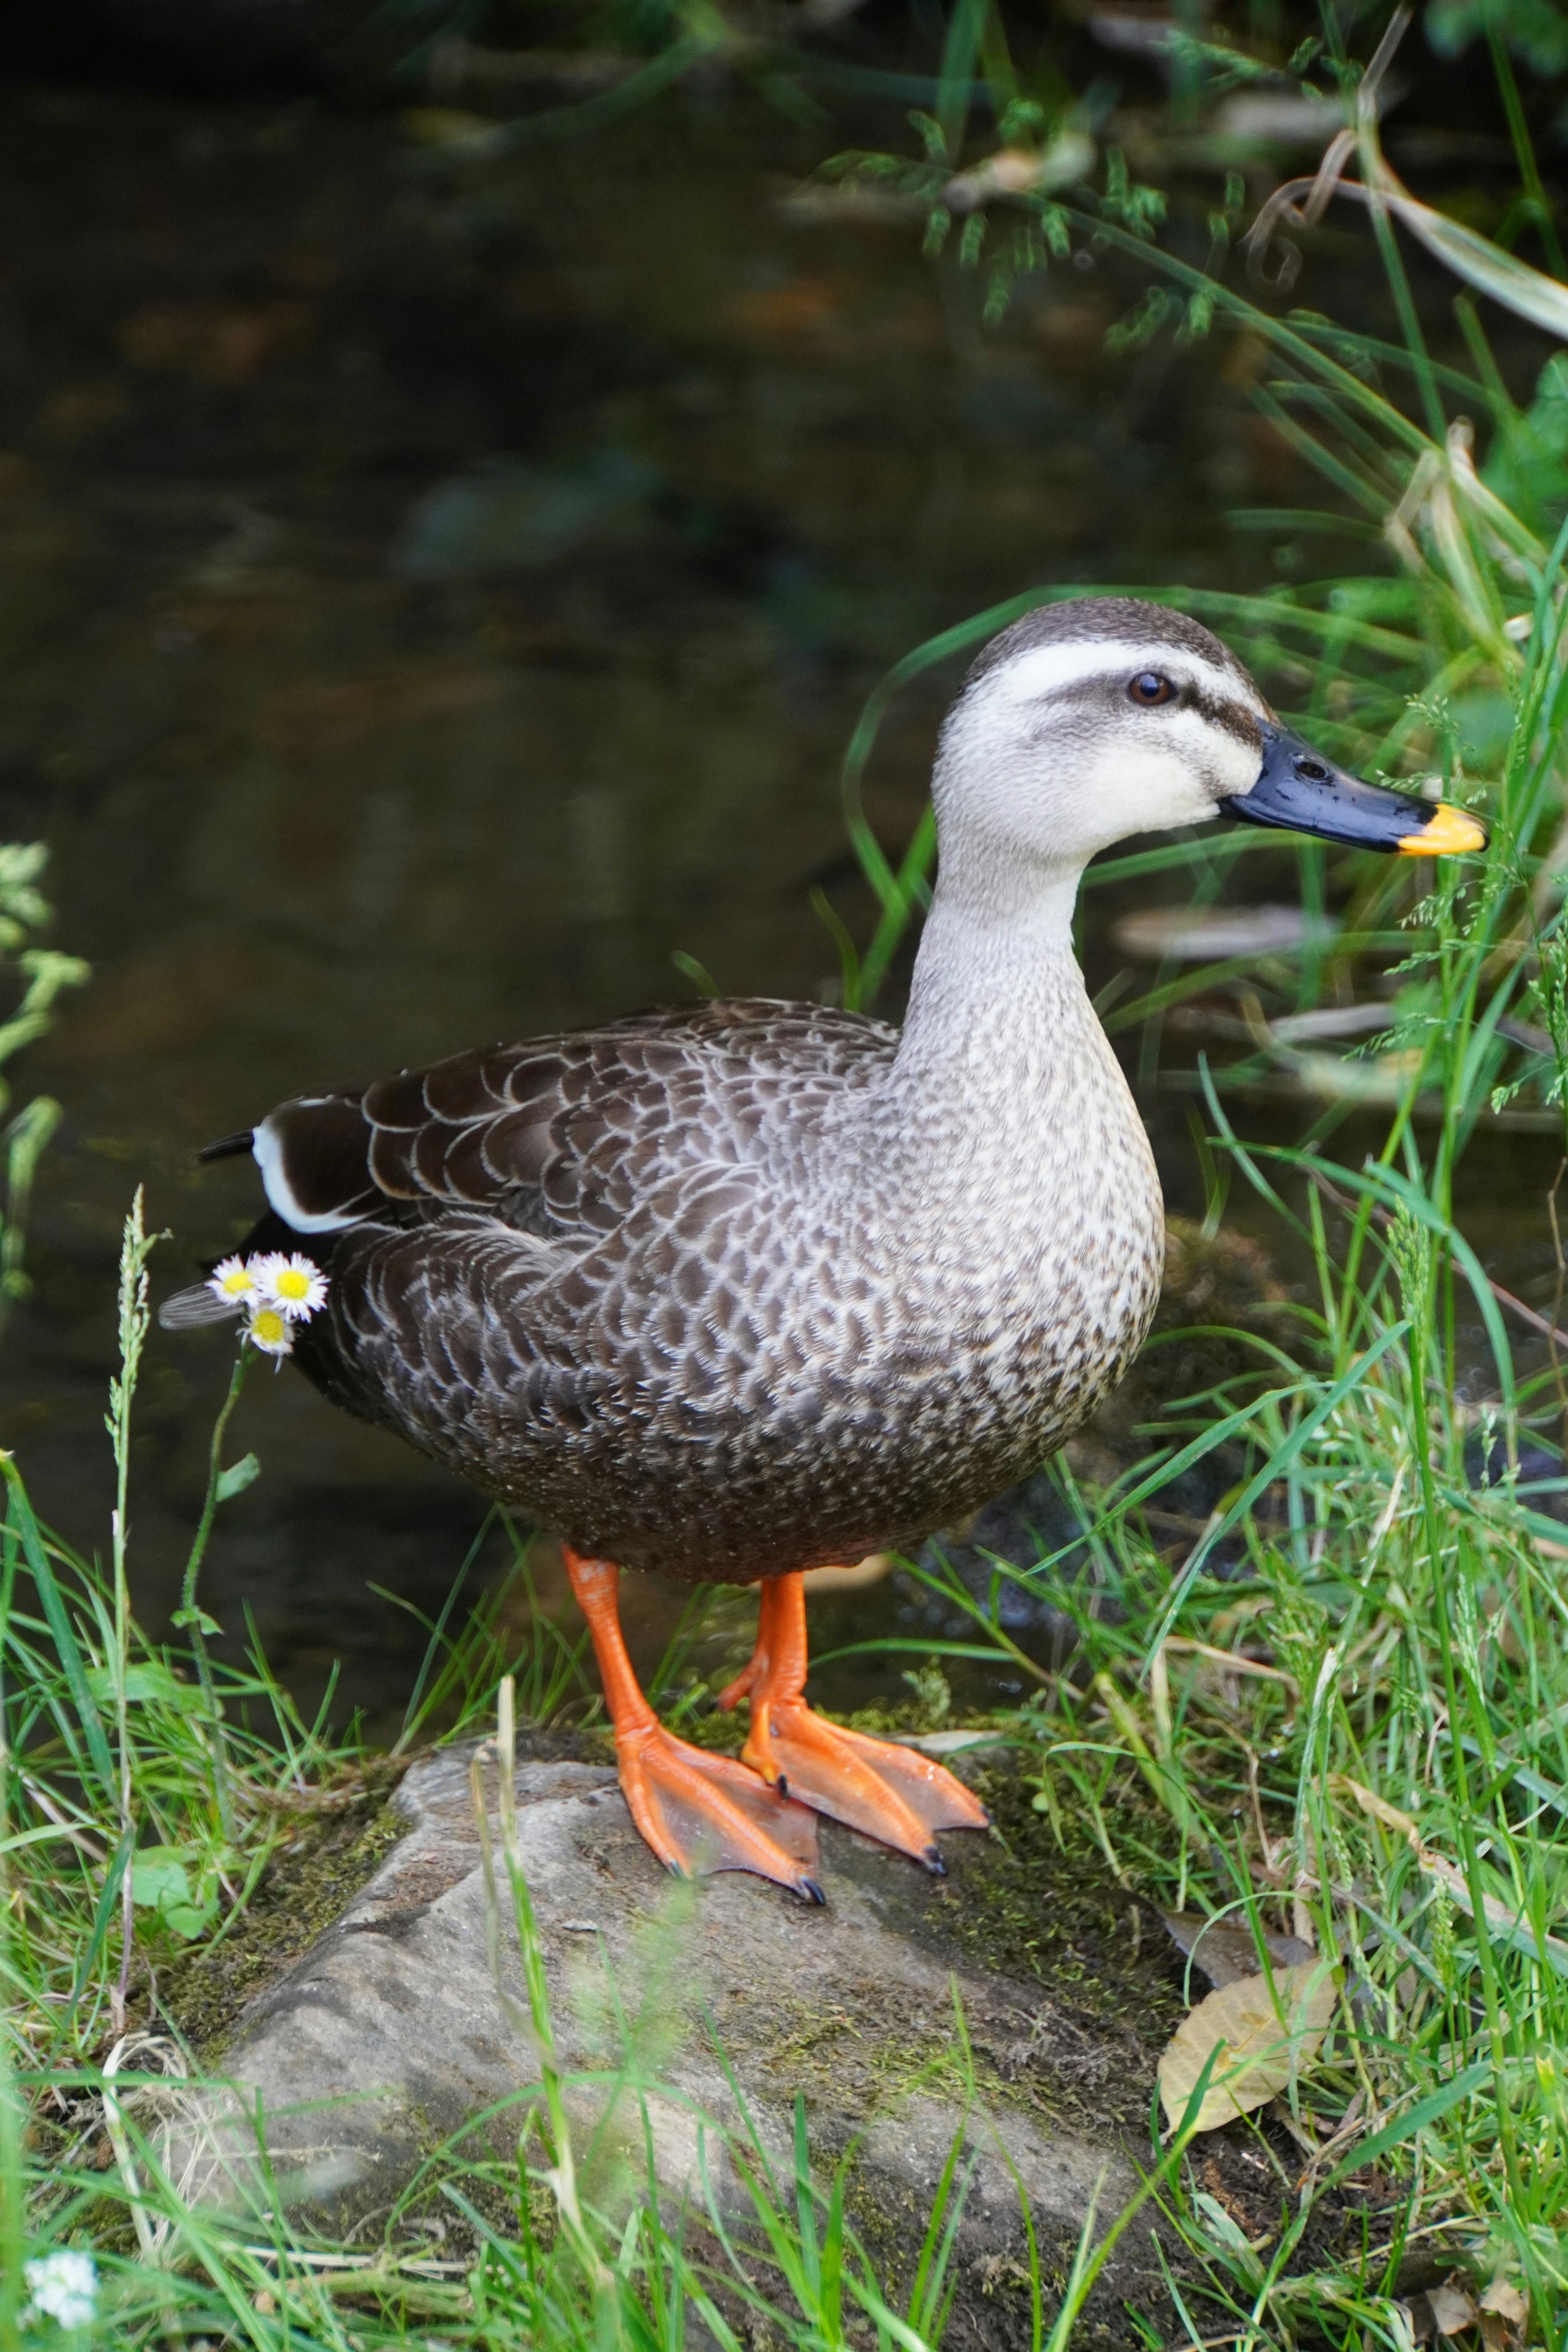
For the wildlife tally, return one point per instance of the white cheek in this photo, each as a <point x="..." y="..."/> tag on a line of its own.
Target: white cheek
<point x="1148" y="792"/>
<point x="1240" y="763"/>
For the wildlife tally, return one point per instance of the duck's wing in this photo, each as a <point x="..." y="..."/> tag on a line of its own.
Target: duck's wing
<point x="561" y="1137"/>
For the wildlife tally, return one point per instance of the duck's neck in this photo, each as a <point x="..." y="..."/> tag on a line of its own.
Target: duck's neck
<point x="1006" y="1136"/>
<point x="997" y="995"/>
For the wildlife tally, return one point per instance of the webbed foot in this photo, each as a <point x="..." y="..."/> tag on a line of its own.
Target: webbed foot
<point x="699" y="1813"/>
<point x="702" y="1812"/>
<point x="888" y="1792"/>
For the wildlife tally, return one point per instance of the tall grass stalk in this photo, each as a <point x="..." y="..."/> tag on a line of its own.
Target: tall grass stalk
<point x="134" y="1319"/>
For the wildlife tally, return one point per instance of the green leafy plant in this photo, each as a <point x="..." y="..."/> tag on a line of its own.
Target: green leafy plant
<point x="41" y="973"/>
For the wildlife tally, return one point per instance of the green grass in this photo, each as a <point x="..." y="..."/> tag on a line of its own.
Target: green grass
<point x="1343" y="1701"/>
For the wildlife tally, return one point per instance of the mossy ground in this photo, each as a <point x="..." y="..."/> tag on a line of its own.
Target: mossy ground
<point x="320" y="1863"/>
<point x="199" y="1991"/>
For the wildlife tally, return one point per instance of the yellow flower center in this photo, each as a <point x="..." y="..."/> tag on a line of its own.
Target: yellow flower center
<point x="292" y="1283"/>
<point x="236" y="1281"/>
<point x="269" y="1327"/>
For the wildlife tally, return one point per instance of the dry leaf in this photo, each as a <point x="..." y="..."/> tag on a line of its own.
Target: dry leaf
<point x="1510" y="1924"/>
<point x="1419" y="2317"/>
<point x="1234" y="1662"/>
<point x="1504" y="2311"/>
<point x="1452" y="2310"/>
<point x="1540" y="299"/>
<point x="1260" y="2047"/>
<point x="1333" y="1021"/>
<point x="1336" y="1079"/>
<point x="1378" y="1807"/>
<point x="947" y="1743"/>
<point x="1279" y="117"/>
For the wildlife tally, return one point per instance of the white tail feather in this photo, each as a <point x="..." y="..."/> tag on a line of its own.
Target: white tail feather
<point x="189" y="1309"/>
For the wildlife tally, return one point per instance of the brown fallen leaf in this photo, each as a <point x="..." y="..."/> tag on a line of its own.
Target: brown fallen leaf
<point x="1258" y="2047"/>
<point x="1378" y="1807"/>
<point x="1504" y="2311"/>
<point x="1421" y="2316"/>
<point x="1452" y="2310"/>
<point x="1512" y="1924"/>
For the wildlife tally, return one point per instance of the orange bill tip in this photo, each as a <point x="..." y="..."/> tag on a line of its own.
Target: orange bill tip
<point x="1448" y="832"/>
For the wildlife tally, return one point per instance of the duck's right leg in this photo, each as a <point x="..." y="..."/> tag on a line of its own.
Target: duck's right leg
<point x="699" y="1813"/>
<point x="877" y="1786"/>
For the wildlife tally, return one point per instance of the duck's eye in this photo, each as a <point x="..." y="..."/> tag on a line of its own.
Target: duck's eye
<point x="1149" y="688"/>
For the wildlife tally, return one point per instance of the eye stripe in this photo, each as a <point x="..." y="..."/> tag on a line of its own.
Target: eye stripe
<point x="1107" y="691"/>
<point x="1235" y="718"/>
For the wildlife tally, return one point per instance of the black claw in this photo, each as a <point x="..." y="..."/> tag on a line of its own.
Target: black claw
<point x="934" y="1863"/>
<point x="812" y="1892"/>
<point x="781" y="1784"/>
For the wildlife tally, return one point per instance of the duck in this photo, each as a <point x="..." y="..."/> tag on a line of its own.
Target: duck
<point x="734" y="1290"/>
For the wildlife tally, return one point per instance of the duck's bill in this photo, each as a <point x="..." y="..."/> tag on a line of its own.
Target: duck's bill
<point x="1301" y="792"/>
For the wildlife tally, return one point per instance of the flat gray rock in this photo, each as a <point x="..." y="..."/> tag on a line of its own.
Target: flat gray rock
<point x="388" y="2038"/>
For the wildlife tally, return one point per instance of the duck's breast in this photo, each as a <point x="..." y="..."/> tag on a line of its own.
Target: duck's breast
<point x="1025" y="1241"/>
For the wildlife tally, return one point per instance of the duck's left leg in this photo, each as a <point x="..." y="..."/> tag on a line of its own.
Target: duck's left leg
<point x="890" y="1792"/>
<point x="698" y="1812"/>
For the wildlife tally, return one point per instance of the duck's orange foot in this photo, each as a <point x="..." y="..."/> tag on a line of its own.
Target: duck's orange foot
<point x="699" y="1813"/>
<point x="702" y="1813"/>
<point x="890" y="1793"/>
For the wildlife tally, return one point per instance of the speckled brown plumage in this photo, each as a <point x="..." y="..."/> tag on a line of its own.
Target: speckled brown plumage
<point x="733" y="1290"/>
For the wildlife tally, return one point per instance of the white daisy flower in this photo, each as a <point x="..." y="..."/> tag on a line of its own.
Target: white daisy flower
<point x="64" y="2288"/>
<point x="269" y="1331"/>
<point x="233" y="1280"/>
<point x="294" y="1285"/>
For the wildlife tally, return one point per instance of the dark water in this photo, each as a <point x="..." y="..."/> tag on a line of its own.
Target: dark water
<point x="426" y="606"/>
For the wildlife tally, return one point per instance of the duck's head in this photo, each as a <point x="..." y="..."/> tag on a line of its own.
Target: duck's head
<point x="1101" y="717"/>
